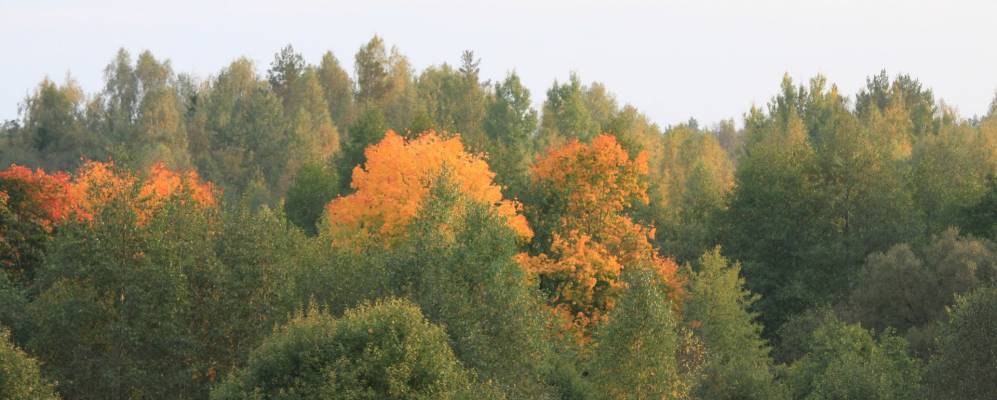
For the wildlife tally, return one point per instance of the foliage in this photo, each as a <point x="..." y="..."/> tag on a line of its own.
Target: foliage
<point x="637" y="348"/>
<point x="128" y="275"/>
<point x="385" y="350"/>
<point x="963" y="366"/>
<point x="395" y="180"/>
<point x="688" y="193"/>
<point x="510" y="124"/>
<point x="980" y="219"/>
<point x="813" y="195"/>
<point x="32" y="204"/>
<point x="116" y="315"/>
<point x="844" y="361"/>
<point x="313" y="187"/>
<point x="459" y="266"/>
<point x="584" y="237"/>
<point x="737" y="359"/>
<point x="909" y="290"/>
<point x="20" y="375"/>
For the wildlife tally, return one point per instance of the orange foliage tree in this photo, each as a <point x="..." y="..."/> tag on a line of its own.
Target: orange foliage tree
<point x="584" y="238"/>
<point x="396" y="178"/>
<point x="98" y="184"/>
<point x="48" y="199"/>
<point x="32" y="203"/>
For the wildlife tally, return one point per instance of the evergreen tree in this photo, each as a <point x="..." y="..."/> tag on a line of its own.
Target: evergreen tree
<point x="737" y="359"/>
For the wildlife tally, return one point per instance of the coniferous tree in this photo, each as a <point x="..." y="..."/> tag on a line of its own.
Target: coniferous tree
<point x="737" y="364"/>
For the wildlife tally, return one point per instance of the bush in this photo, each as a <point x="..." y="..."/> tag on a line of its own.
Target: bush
<point x="19" y="374"/>
<point x="386" y="350"/>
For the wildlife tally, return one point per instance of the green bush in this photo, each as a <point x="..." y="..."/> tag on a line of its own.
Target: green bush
<point x="386" y="350"/>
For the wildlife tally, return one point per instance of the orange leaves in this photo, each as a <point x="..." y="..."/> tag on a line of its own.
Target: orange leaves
<point x="56" y="197"/>
<point x="583" y="274"/>
<point x="592" y="240"/>
<point x="99" y="184"/>
<point x="397" y="177"/>
<point x="595" y="181"/>
<point x="162" y="183"/>
<point x="48" y="198"/>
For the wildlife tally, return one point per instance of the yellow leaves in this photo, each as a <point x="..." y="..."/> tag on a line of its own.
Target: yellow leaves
<point x="396" y="178"/>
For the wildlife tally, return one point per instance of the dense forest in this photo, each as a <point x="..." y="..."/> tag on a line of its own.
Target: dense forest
<point x="298" y="231"/>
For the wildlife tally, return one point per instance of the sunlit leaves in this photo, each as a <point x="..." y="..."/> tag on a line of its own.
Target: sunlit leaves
<point x="397" y="177"/>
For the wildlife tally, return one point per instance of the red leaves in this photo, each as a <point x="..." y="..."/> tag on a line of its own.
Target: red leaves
<point x="46" y="198"/>
<point x="51" y="199"/>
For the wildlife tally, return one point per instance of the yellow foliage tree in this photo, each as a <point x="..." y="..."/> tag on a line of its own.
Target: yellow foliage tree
<point x="397" y="176"/>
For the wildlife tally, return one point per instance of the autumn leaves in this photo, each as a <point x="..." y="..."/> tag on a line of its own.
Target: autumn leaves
<point x="579" y="237"/>
<point x="583" y="238"/>
<point x="391" y="186"/>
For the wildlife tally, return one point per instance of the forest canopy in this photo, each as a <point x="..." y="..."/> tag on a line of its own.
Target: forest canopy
<point x="300" y="231"/>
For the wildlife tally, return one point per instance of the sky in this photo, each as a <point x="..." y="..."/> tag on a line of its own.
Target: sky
<point x="673" y="60"/>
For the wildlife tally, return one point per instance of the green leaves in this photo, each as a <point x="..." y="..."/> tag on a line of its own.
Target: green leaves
<point x="737" y="359"/>
<point x="20" y="375"/>
<point x="963" y="368"/>
<point x="385" y="350"/>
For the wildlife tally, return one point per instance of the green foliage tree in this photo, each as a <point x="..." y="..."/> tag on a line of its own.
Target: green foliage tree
<point x="141" y="114"/>
<point x="384" y="79"/>
<point x="459" y="267"/>
<point x="566" y="115"/>
<point x="454" y="100"/>
<point x="980" y="219"/>
<point x="844" y="361"/>
<point x="688" y="189"/>
<point x="259" y="253"/>
<point x="917" y="102"/>
<point x="950" y="171"/>
<point x="963" y="366"/>
<point x="813" y="196"/>
<point x="511" y="123"/>
<point x="20" y="375"/>
<point x="285" y="69"/>
<point x="313" y="136"/>
<point x="119" y="304"/>
<point x="372" y="71"/>
<point x="737" y="364"/>
<point x="386" y="350"/>
<point x="910" y="290"/>
<point x="770" y="215"/>
<point x="338" y="90"/>
<point x="240" y="131"/>
<point x="313" y="187"/>
<point x="636" y="350"/>
<point x="368" y="129"/>
<point x="53" y="133"/>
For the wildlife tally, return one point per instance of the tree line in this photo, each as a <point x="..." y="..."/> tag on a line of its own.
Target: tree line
<point x="305" y="232"/>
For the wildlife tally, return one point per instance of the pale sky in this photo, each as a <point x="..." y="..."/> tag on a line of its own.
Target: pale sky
<point x="671" y="59"/>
